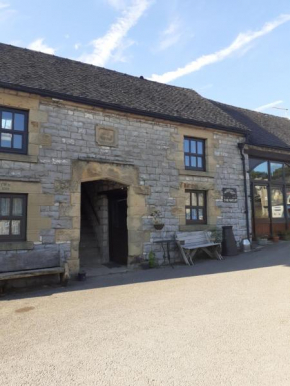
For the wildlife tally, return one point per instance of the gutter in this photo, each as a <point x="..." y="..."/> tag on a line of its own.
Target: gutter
<point x="111" y="106"/>
<point x="241" y="146"/>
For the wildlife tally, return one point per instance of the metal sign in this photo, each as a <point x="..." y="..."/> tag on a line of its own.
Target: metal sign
<point x="230" y="195"/>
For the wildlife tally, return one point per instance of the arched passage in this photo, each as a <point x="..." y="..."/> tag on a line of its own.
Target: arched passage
<point x="103" y="227"/>
<point x="110" y="182"/>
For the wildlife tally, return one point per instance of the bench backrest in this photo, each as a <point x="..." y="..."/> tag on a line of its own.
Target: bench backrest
<point x="198" y="237"/>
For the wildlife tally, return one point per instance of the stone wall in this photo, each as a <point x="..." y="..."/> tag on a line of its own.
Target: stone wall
<point x="75" y="144"/>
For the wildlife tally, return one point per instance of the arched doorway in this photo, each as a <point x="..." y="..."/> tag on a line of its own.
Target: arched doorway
<point x="103" y="229"/>
<point x="123" y="191"/>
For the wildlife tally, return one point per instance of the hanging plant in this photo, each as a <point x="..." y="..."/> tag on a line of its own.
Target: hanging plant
<point x="157" y="219"/>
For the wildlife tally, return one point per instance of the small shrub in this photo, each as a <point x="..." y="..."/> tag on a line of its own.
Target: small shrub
<point x="152" y="259"/>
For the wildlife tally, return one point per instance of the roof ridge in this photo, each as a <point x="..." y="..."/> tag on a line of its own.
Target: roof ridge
<point x="252" y="111"/>
<point x="98" y="67"/>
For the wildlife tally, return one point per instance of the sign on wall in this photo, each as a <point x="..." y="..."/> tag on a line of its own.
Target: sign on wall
<point x="107" y="136"/>
<point x="230" y="195"/>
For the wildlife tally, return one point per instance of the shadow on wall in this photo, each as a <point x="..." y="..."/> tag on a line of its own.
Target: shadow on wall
<point x="271" y="256"/>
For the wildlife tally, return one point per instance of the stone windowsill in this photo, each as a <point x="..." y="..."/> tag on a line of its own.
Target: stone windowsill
<point x="193" y="228"/>
<point x="18" y="157"/>
<point x="16" y="245"/>
<point x="196" y="173"/>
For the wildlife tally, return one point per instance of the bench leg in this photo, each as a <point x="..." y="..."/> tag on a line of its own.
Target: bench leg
<point x="191" y="255"/>
<point x="64" y="277"/>
<point x="208" y="252"/>
<point x="217" y="254"/>
<point x="181" y="250"/>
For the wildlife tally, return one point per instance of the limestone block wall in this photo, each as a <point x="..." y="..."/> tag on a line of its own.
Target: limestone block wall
<point x="72" y="143"/>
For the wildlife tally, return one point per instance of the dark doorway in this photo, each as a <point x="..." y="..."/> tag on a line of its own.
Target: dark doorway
<point x="118" y="233"/>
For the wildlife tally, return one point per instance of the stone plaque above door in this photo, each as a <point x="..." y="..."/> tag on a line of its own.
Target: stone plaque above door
<point x="107" y="136"/>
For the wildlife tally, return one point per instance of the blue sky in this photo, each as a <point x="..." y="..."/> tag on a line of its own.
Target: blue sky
<point x="236" y="52"/>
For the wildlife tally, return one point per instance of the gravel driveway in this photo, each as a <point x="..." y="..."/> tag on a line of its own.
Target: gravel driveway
<point x="217" y="323"/>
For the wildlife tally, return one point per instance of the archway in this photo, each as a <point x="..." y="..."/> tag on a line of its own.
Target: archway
<point x="122" y="177"/>
<point x="103" y="228"/>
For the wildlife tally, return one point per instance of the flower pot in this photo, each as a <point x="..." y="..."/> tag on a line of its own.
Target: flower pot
<point x="262" y="241"/>
<point x="276" y="239"/>
<point x="159" y="226"/>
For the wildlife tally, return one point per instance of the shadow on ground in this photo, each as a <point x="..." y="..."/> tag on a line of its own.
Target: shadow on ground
<point x="270" y="256"/>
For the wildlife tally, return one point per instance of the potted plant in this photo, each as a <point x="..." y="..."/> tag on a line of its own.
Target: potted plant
<point x="275" y="238"/>
<point x="285" y="235"/>
<point x="151" y="259"/>
<point x="157" y="221"/>
<point x="263" y="240"/>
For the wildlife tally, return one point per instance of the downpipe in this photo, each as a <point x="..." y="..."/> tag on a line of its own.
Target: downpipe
<point x="241" y="146"/>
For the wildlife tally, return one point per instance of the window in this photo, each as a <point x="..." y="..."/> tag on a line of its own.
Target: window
<point x="12" y="217"/>
<point x="194" y="153"/>
<point x="13" y="131"/>
<point x="259" y="169"/>
<point x="195" y="207"/>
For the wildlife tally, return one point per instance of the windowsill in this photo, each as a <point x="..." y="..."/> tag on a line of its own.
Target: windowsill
<point x="18" y="157"/>
<point x="197" y="173"/>
<point x="16" y="245"/>
<point x="193" y="227"/>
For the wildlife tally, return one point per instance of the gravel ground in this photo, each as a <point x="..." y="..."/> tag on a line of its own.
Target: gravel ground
<point x="217" y="323"/>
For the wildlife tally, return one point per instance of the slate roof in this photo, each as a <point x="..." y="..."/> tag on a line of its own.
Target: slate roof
<point x="49" y="75"/>
<point x="265" y="129"/>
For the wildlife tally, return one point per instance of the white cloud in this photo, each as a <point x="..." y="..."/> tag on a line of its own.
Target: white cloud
<point x="240" y="42"/>
<point x="4" y="5"/>
<point x="5" y="12"/>
<point x="105" y="46"/>
<point x="171" y="35"/>
<point x="38" y="45"/>
<point x="119" y="54"/>
<point x="77" y="46"/>
<point x="117" y="4"/>
<point x="268" y="106"/>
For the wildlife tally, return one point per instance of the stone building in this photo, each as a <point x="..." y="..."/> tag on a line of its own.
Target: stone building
<point x="87" y="154"/>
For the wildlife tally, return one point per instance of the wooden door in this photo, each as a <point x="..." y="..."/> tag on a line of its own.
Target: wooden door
<point x="118" y="233"/>
<point x="261" y="213"/>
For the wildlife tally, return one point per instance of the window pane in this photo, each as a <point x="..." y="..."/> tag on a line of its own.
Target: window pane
<point x="261" y="202"/>
<point x="193" y="199"/>
<point x="187" y="214"/>
<point x="186" y="160"/>
<point x="187" y="198"/>
<point x="6" y="140"/>
<point x="17" y="141"/>
<point x="4" y="206"/>
<point x="6" y="120"/>
<point x="288" y="200"/>
<point x="199" y="147"/>
<point x="4" y="227"/>
<point x="193" y="146"/>
<point x="17" y="209"/>
<point x="193" y="162"/>
<point x="277" y="203"/>
<point x="260" y="172"/>
<point x="186" y="145"/>
<point x="194" y="214"/>
<point x="200" y="199"/>
<point x="15" y="228"/>
<point x="287" y="172"/>
<point x="199" y="162"/>
<point x="19" y="120"/>
<point x="200" y="214"/>
<point x="276" y="171"/>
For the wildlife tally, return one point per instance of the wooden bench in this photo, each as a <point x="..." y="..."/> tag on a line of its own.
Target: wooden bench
<point x="190" y="242"/>
<point x="62" y="271"/>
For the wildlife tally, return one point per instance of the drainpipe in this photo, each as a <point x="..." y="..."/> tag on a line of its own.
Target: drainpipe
<point x="241" y="147"/>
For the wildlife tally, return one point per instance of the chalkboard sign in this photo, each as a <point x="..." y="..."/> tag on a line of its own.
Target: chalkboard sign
<point x="230" y="195"/>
